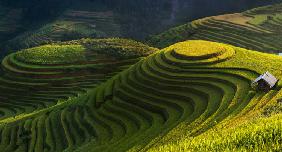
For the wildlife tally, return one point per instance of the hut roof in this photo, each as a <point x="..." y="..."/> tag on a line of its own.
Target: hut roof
<point x="268" y="78"/>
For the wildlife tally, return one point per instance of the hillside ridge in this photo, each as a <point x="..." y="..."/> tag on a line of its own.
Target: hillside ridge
<point x="175" y="93"/>
<point x="255" y="29"/>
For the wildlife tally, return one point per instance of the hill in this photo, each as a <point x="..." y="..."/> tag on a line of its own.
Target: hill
<point x="256" y="29"/>
<point x="71" y="25"/>
<point x="25" y="24"/>
<point x="185" y="91"/>
<point x="40" y="77"/>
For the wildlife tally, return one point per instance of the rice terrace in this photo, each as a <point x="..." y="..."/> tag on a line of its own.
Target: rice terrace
<point x="92" y="76"/>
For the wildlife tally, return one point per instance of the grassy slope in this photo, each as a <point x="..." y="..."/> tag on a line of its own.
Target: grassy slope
<point x="262" y="134"/>
<point x="250" y="130"/>
<point x="45" y="74"/>
<point x="188" y="90"/>
<point x="240" y="134"/>
<point x="257" y="29"/>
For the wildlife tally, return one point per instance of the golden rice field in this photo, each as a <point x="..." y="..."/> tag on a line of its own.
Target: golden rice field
<point x="191" y="96"/>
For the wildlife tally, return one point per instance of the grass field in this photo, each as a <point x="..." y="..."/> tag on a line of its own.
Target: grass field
<point x="186" y="97"/>
<point x="258" y="29"/>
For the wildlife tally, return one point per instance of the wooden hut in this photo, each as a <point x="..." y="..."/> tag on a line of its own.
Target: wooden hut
<point x="265" y="82"/>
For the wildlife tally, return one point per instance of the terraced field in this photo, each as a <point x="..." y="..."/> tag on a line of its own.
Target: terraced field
<point x="254" y="29"/>
<point x="258" y="29"/>
<point x="103" y="21"/>
<point x="71" y="25"/>
<point x="39" y="77"/>
<point x="182" y="91"/>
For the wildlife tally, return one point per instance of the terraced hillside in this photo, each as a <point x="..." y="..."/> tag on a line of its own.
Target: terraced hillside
<point x="33" y="23"/>
<point x="182" y="91"/>
<point x="256" y="29"/>
<point x="70" y="25"/>
<point x="40" y="77"/>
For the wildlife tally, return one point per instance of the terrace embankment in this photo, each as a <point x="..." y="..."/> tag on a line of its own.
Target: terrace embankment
<point x="179" y="91"/>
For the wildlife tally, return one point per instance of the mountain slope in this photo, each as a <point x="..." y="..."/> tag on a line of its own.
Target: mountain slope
<point x="180" y="91"/>
<point x="25" y="24"/>
<point x="257" y="29"/>
<point x="71" y="25"/>
<point x="45" y="75"/>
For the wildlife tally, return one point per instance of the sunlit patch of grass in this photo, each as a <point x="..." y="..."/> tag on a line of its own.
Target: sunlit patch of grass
<point x="116" y="47"/>
<point x="258" y="19"/>
<point x="203" y="51"/>
<point x="52" y="54"/>
<point x="263" y="134"/>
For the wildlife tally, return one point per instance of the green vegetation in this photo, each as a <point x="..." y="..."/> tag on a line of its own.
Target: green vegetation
<point x="122" y="95"/>
<point x="52" y="32"/>
<point x="178" y="98"/>
<point x="258" y="29"/>
<point x="52" y="54"/>
<point x="25" y="24"/>
<point x="205" y="53"/>
<point x="119" y="48"/>
<point x="263" y="134"/>
<point x="258" y="19"/>
<point x="45" y="75"/>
